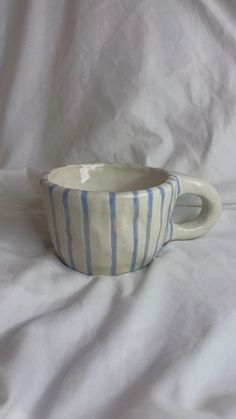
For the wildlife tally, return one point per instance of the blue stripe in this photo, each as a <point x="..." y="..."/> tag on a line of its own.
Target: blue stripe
<point x="135" y="230"/>
<point x="58" y="247"/>
<point x="84" y="200"/>
<point x="176" y="196"/>
<point x="178" y="183"/>
<point x="112" y="202"/>
<point x="168" y="221"/>
<point x="68" y="227"/>
<point x="162" y="194"/>
<point x="171" y="230"/>
<point x="148" y="228"/>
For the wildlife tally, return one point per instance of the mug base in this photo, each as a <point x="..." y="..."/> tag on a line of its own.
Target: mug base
<point x="104" y="273"/>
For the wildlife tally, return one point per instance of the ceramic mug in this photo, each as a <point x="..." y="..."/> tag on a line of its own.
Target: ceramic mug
<point x="108" y="219"/>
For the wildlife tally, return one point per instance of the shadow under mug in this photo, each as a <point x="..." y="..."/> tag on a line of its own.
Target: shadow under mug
<point x="109" y="219"/>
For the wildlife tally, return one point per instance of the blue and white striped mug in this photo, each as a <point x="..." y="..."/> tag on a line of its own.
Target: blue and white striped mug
<point x="108" y="219"/>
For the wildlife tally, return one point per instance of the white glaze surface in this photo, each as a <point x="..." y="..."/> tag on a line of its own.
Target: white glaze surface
<point x="107" y="177"/>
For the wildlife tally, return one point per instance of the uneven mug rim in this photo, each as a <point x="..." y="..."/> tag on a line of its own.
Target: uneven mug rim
<point x="45" y="182"/>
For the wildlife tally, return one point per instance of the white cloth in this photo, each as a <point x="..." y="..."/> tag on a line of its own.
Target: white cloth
<point x="149" y="82"/>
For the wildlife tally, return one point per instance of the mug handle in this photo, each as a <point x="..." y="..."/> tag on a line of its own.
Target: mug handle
<point x="211" y="208"/>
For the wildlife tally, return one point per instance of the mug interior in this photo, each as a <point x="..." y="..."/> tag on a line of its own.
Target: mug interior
<point x="107" y="177"/>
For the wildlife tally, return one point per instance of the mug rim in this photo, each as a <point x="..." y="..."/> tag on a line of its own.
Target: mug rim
<point x="44" y="179"/>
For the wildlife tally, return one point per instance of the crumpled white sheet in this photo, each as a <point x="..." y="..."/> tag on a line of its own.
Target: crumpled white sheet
<point x="149" y="82"/>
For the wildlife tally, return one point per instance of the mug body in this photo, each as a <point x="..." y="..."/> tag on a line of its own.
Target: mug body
<point x="107" y="219"/>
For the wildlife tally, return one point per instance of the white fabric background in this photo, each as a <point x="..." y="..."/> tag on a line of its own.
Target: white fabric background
<point x="139" y="81"/>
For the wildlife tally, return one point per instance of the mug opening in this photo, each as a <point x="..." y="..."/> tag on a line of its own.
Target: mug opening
<point x="107" y="177"/>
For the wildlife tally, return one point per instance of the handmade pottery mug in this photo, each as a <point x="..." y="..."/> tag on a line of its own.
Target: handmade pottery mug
<point x="108" y="219"/>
